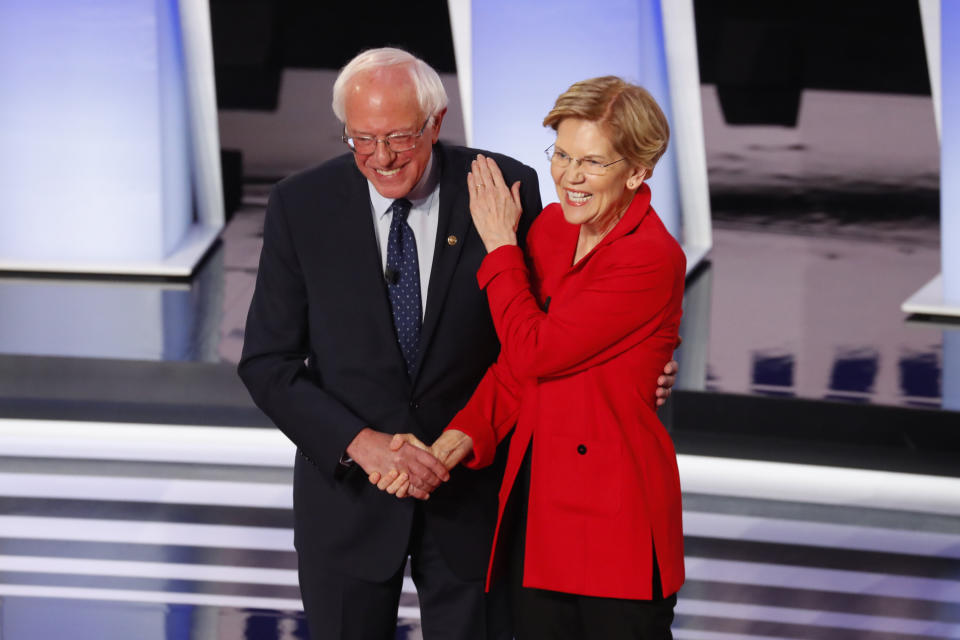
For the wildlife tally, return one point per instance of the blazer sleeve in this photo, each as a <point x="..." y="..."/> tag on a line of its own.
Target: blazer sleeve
<point x="490" y="414"/>
<point x="276" y="347"/>
<point x="619" y="305"/>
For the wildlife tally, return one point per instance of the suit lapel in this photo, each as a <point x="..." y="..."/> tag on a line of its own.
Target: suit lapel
<point x="359" y="261"/>
<point x="454" y="221"/>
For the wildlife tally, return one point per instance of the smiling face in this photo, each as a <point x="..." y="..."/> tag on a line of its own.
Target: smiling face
<point x="596" y="202"/>
<point x="384" y="101"/>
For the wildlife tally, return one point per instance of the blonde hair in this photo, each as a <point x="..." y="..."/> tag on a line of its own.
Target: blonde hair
<point x="431" y="95"/>
<point x="628" y="114"/>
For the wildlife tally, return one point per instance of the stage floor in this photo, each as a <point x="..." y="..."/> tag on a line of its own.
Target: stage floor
<point x="167" y="533"/>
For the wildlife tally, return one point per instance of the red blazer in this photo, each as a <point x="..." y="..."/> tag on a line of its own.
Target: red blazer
<point x="581" y="349"/>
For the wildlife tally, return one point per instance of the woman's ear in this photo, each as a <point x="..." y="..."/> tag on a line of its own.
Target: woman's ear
<point x="634" y="181"/>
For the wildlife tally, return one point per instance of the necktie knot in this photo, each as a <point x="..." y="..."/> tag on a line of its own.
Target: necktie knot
<point x="401" y="209"/>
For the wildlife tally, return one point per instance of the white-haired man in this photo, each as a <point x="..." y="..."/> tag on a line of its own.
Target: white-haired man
<point x="367" y="321"/>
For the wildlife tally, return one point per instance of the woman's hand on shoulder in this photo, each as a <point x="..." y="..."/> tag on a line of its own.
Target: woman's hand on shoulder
<point x="494" y="207"/>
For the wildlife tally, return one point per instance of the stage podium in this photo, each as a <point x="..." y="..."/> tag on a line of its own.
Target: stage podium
<point x="941" y="296"/>
<point x="109" y="152"/>
<point x="941" y="32"/>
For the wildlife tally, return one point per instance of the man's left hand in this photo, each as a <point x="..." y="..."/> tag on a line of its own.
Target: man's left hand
<point x="666" y="381"/>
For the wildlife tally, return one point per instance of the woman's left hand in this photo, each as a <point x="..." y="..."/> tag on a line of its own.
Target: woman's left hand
<point x="495" y="208"/>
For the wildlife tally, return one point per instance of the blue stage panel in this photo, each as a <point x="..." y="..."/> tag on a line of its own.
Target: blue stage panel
<point x="95" y="145"/>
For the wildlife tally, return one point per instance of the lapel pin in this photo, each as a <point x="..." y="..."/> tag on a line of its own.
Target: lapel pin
<point x="451" y="240"/>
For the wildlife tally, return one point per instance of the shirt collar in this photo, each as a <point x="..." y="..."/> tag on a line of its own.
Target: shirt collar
<point x="418" y="196"/>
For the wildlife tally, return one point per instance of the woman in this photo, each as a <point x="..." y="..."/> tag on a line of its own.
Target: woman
<point x="590" y="513"/>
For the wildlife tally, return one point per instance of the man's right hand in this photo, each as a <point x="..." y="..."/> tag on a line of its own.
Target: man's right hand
<point x="372" y="451"/>
<point x="450" y="448"/>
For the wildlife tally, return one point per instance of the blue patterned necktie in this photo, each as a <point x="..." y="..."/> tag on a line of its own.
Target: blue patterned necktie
<point x="403" y="282"/>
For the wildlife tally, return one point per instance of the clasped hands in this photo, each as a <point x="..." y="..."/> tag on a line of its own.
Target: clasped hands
<point x="404" y="466"/>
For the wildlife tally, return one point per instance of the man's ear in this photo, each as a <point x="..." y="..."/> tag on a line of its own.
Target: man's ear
<point x="437" y="121"/>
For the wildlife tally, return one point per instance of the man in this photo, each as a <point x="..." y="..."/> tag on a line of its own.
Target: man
<point x="367" y="321"/>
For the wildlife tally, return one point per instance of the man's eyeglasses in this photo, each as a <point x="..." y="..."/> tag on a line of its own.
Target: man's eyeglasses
<point x="396" y="142"/>
<point x="562" y="160"/>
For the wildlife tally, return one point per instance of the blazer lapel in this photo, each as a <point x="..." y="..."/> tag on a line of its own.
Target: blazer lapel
<point x="454" y="221"/>
<point x="359" y="261"/>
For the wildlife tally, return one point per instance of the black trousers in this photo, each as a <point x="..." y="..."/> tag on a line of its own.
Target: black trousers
<point x="540" y="614"/>
<point x="343" y="607"/>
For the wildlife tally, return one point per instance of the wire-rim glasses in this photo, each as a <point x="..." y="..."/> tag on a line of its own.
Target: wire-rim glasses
<point x="562" y="160"/>
<point x="396" y="142"/>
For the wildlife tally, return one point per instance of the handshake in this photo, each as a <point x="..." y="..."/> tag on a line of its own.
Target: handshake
<point x="404" y="466"/>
